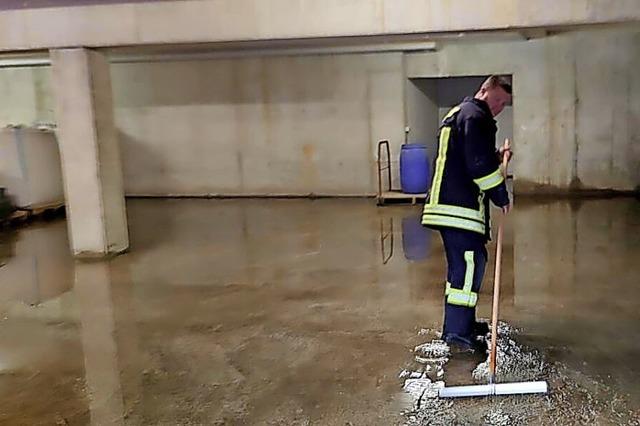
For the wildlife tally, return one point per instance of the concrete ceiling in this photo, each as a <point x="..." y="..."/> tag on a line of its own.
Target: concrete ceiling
<point x="305" y="46"/>
<point x="29" y="25"/>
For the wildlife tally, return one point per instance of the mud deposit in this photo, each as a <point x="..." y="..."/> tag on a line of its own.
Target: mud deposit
<point x="573" y="398"/>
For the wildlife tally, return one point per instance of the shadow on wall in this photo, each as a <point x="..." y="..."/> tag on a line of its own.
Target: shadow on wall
<point x="149" y="165"/>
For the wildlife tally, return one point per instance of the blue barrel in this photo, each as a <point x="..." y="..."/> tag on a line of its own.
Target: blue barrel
<point x="414" y="168"/>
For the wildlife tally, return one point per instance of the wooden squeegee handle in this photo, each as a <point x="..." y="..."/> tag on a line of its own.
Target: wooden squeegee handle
<point x="496" y="281"/>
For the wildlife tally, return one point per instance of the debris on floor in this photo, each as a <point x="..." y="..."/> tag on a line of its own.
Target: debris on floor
<point x="514" y="363"/>
<point x="422" y="387"/>
<point x="498" y="417"/>
<point x="573" y="397"/>
<point x="436" y="349"/>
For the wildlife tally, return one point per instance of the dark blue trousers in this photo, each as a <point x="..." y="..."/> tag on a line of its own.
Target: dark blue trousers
<point x="466" y="260"/>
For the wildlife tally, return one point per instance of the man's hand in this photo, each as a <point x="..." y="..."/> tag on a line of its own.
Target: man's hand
<point x="505" y="150"/>
<point x="506" y="209"/>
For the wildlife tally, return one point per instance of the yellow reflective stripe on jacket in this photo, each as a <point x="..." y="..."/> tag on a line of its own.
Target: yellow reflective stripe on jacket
<point x="490" y="181"/>
<point x="451" y="112"/>
<point x="436" y="214"/>
<point x="453" y="222"/>
<point x="449" y="210"/>
<point x="443" y="145"/>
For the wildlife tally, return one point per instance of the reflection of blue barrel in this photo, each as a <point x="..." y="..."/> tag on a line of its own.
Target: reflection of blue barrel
<point x="416" y="239"/>
<point x="414" y="168"/>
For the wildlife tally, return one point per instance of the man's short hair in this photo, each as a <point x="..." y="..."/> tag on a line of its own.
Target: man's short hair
<point x="495" y="81"/>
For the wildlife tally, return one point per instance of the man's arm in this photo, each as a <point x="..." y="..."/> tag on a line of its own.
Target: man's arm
<point x="482" y="164"/>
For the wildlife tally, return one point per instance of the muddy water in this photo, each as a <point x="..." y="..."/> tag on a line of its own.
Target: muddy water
<point x="291" y="312"/>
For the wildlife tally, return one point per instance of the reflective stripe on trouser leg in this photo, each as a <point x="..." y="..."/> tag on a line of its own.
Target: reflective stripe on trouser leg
<point x="465" y="297"/>
<point x="459" y="319"/>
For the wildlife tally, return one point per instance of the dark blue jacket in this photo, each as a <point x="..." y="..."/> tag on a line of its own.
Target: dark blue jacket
<point x="466" y="171"/>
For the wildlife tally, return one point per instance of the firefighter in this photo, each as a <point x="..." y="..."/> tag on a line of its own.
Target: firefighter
<point x="466" y="176"/>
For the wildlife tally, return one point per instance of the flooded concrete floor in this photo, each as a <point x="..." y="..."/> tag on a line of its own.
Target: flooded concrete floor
<point x="292" y="312"/>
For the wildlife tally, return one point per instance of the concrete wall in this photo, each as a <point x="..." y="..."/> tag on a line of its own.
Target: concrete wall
<point x="606" y="95"/>
<point x="310" y="124"/>
<point x="452" y="90"/>
<point x="26" y="95"/>
<point x="422" y="112"/>
<point x="228" y="20"/>
<point x="285" y="125"/>
<point x="576" y="102"/>
<point x="276" y="125"/>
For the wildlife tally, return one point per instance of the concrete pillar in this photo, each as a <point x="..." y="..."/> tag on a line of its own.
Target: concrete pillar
<point x="89" y="152"/>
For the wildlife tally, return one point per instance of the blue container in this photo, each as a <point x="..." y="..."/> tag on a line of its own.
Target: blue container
<point x="414" y="168"/>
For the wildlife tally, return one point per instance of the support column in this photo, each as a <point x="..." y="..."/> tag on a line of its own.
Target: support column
<point x="89" y="152"/>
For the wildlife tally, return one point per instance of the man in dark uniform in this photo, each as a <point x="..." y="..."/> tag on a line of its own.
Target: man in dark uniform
<point x="466" y="176"/>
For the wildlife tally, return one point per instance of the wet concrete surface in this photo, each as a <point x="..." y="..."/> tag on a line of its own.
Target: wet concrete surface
<point x="293" y="312"/>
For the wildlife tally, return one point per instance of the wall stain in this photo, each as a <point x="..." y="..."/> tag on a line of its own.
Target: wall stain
<point x="266" y="100"/>
<point x="575" y="180"/>
<point x="309" y="170"/>
<point x="308" y="150"/>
